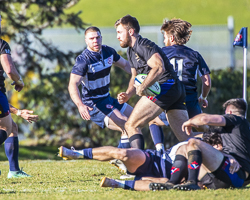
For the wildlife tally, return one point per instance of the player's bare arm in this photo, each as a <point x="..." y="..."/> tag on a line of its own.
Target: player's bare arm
<point x="10" y="70"/>
<point x="203" y="119"/>
<point x="25" y="114"/>
<point x="206" y="86"/>
<point x="123" y="64"/>
<point x="74" y="82"/>
<point x="157" y="65"/>
<point x="123" y="97"/>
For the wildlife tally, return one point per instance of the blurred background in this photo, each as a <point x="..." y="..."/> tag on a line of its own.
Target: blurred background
<point x="46" y="36"/>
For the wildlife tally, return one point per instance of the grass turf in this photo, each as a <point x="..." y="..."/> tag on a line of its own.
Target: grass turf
<point x="80" y="179"/>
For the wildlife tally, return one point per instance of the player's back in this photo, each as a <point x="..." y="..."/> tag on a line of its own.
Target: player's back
<point x="187" y="63"/>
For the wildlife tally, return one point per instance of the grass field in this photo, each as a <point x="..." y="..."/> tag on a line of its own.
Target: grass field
<point x="57" y="179"/>
<point x="197" y="12"/>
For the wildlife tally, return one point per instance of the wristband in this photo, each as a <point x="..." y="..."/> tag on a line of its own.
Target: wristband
<point x="203" y="98"/>
<point x="19" y="112"/>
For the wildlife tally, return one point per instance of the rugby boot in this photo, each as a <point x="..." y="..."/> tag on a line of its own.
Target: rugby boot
<point x="109" y="182"/>
<point x="119" y="164"/>
<point x="69" y="154"/>
<point x="161" y="186"/>
<point x="18" y="174"/>
<point x="189" y="185"/>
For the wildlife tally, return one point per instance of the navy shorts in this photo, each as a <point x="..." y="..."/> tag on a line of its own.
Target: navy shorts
<point x="102" y="108"/>
<point x="172" y="96"/>
<point x="157" y="164"/>
<point x="4" y="105"/>
<point x="222" y="178"/>
<point x="193" y="108"/>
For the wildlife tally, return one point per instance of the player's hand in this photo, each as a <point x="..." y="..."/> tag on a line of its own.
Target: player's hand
<point x="204" y="102"/>
<point x="187" y="127"/>
<point x="27" y="115"/>
<point x="122" y="97"/>
<point x="140" y="91"/>
<point x="18" y="85"/>
<point x="234" y="165"/>
<point x="84" y="111"/>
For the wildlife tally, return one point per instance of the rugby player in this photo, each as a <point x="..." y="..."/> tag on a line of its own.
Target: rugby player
<point x="188" y="64"/>
<point x="212" y="167"/>
<point x="145" y="57"/>
<point x="92" y="71"/>
<point x="8" y="127"/>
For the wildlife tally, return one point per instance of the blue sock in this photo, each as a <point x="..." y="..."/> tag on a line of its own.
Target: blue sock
<point x="88" y="153"/>
<point x="129" y="185"/>
<point x="3" y="136"/>
<point x="11" y="147"/>
<point x="156" y="134"/>
<point x="124" y="142"/>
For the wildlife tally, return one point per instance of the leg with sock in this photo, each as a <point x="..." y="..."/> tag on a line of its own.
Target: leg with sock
<point x="178" y="172"/>
<point x="11" y="147"/>
<point x="157" y="136"/>
<point x="194" y="164"/>
<point x="137" y="141"/>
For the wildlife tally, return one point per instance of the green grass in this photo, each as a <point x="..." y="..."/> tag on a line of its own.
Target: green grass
<point x="57" y="179"/>
<point x="148" y="12"/>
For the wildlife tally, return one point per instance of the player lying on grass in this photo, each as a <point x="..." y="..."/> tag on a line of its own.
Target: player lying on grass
<point x="211" y="166"/>
<point x="148" y="165"/>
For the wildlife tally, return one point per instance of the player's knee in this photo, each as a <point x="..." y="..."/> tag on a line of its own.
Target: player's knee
<point x="14" y="130"/>
<point x="122" y="154"/>
<point x="193" y="142"/>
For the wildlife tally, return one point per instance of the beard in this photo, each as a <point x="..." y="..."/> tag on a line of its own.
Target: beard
<point x="126" y="42"/>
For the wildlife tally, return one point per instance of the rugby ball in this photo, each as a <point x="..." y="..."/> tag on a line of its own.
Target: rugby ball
<point x="153" y="90"/>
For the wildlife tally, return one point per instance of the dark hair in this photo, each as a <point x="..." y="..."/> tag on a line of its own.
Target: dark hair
<point x="239" y="103"/>
<point x="129" y="22"/>
<point x="212" y="137"/>
<point x="180" y="29"/>
<point x="92" y="29"/>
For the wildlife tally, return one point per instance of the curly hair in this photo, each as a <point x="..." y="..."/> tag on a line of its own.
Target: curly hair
<point x="180" y="29"/>
<point x="212" y="137"/>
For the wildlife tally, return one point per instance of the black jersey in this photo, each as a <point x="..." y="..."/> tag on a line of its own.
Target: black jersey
<point x="236" y="139"/>
<point x="187" y="63"/>
<point x="141" y="52"/>
<point x="4" y="49"/>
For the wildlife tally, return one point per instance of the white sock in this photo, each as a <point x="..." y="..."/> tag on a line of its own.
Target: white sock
<point x="80" y="153"/>
<point x="121" y="184"/>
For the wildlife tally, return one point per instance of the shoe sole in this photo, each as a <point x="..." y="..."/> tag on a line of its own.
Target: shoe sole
<point x="60" y="154"/>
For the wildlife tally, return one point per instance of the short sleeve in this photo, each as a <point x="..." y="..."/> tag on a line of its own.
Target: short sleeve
<point x="146" y="50"/>
<point x="5" y="48"/>
<point x="203" y="68"/>
<point x="80" y="67"/>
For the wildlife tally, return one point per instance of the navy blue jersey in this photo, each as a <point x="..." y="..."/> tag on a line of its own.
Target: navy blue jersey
<point x="4" y="49"/>
<point x="141" y="52"/>
<point x="187" y="63"/>
<point x="236" y="139"/>
<point x="95" y="68"/>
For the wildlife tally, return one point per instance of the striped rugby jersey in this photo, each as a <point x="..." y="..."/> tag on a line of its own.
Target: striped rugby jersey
<point x="95" y="68"/>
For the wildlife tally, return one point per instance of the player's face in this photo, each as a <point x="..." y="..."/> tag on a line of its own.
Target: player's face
<point x="94" y="41"/>
<point x="167" y="41"/>
<point x="123" y="36"/>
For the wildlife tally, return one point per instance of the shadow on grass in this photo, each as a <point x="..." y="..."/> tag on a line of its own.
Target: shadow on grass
<point x="33" y="153"/>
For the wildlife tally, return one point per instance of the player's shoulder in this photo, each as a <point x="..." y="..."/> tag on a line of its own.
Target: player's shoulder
<point x="145" y="42"/>
<point x="4" y="46"/>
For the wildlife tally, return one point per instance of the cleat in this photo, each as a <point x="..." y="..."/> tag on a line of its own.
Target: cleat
<point x="127" y="176"/>
<point x="189" y="185"/>
<point x="161" y="186"/>
<point x="108" y="182"/>
<point x="119" y="164"/>
<point x="68" y="154"/>
<point x="18" y="174"/>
